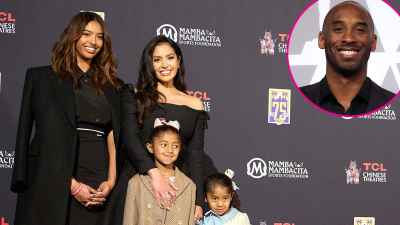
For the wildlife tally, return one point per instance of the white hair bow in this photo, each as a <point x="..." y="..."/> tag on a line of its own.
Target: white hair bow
<point x="161" y="121"/>
<point x="230" y="173"/>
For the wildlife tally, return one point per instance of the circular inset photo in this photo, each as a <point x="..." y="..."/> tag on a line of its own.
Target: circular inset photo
<point x="344" y="56"/>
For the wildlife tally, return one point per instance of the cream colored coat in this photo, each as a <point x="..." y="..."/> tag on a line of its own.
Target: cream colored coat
<point x="142" y="209"/>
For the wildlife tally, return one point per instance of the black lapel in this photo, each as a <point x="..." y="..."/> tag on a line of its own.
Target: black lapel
<point x="65" y="98"/>
<point x="112" y="96"/>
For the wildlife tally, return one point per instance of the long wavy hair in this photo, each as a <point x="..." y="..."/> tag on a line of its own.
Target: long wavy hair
<point x="64" y="54"/>
<point x="147" y="94"/>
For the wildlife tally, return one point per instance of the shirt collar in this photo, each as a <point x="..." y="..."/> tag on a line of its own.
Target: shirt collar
<point x="86" y="75"/>
<point x="325" y="91"/>
<point x="224" y="218"/>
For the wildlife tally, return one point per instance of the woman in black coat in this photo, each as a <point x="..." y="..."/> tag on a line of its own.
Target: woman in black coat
<point x="69" y="128"/>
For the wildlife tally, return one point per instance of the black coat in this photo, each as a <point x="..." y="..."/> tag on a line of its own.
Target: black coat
<point x="46" y="144"/>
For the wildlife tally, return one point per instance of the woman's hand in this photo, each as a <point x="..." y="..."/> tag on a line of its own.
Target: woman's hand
<point x="104" y="189"/>
<point x="101" y="194"/>
<point x="164" y="190"/>
<point x="86" y="195"/>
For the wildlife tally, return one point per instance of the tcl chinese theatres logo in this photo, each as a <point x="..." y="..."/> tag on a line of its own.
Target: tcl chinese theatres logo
<point x="7" y="23"/>
<point x="204" y="97"/>
<point x="368" y="172"/>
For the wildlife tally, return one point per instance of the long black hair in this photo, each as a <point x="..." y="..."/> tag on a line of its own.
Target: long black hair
<point x="220" y="179"/>
<point x="147" y="94"/>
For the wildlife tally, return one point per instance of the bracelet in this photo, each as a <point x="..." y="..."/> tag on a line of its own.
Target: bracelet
<point x="77" y="190"/>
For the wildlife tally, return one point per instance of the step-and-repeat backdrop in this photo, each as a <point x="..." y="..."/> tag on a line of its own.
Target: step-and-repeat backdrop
<point x="292" y="164"/>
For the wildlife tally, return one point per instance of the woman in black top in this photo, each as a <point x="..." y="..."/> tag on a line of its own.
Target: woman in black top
<point x="161" y="93"/>
<point x="66" y="172"/>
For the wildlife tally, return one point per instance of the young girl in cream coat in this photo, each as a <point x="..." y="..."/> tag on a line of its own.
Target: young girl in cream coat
<point x="140" y="206"/>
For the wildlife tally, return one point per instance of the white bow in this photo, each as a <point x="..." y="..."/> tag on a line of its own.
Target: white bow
<point x="161" y="121"/>
<point x="230" y="173"/>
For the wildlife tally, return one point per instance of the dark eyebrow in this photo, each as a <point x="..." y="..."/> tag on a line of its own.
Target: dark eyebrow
<point x="158" y="56"/>
<point x="337" y="22"/>
<point x="364" y="24"/>
<point x="340" y="22"/>
<point x="85" y="30"/>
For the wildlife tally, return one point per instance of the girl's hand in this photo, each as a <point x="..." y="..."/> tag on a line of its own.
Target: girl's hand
<point x="198" y="213"/>
<point x="164" y="191"/>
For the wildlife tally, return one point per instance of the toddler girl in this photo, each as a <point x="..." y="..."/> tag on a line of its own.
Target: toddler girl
<point x="223" y="202"/>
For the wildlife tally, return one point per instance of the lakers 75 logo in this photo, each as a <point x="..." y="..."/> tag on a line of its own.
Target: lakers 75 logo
<point x="279" y="106"/>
